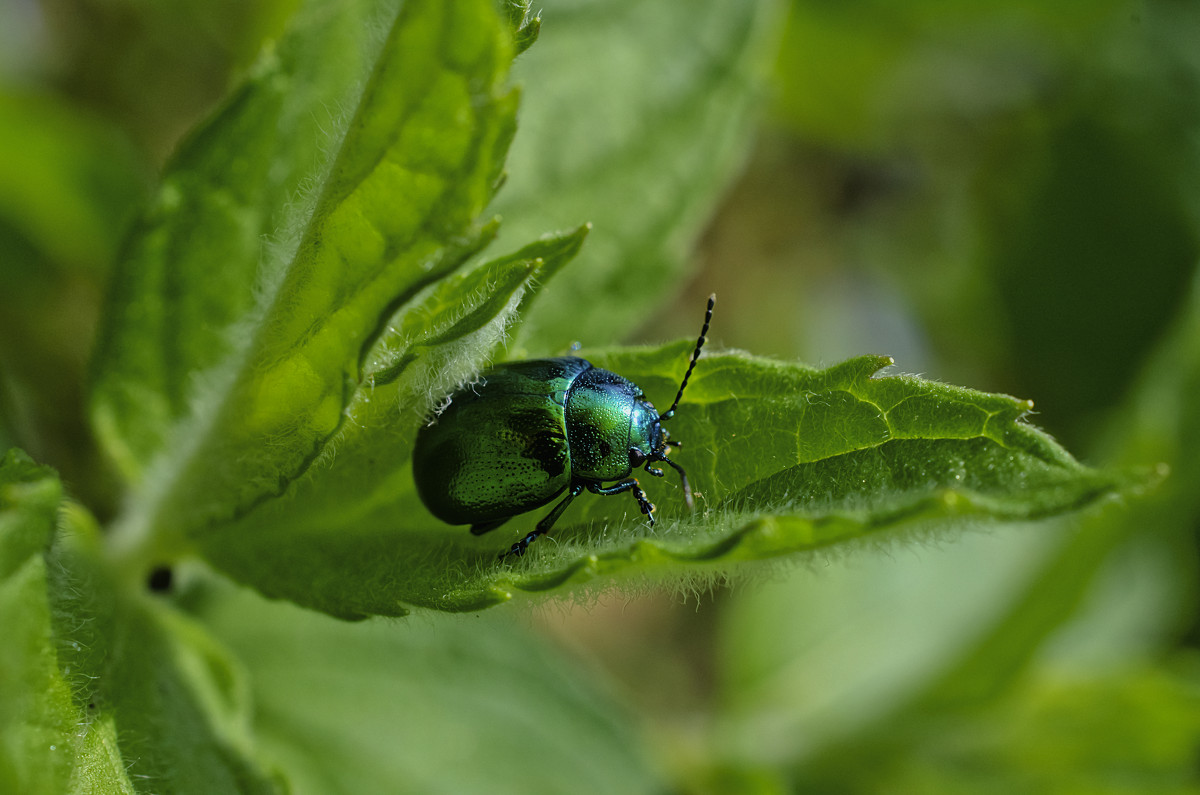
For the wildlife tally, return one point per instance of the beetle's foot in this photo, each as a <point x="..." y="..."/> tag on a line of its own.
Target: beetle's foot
<point x="644" y="503"/>
<point x="518" y="549"/>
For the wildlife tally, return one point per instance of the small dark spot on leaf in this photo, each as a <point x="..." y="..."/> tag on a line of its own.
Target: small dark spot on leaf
<point x="159" y="580"/>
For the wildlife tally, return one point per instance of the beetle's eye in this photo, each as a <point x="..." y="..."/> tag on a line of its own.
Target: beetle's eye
<point x="636" y="457"/>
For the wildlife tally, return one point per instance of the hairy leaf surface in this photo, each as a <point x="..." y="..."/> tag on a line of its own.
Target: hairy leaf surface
<point x="783" y="459"/>
<point x="413" y="159"/>
<point x="102" y="690"/>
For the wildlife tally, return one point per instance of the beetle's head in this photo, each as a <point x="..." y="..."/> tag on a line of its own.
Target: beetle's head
<point x="653" y="447"/>
<point x="647" y="436"/>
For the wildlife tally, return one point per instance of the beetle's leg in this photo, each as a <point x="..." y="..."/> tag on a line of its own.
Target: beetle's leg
<point x="543" y="527"/>
<point x="655" y="471"/>
<point x="627" y="485"/>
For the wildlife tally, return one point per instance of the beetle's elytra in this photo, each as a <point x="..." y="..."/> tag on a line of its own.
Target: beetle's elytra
<point x="534" y="429"/>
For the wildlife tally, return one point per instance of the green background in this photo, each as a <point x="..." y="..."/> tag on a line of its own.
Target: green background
<point x="1003" y="197"/>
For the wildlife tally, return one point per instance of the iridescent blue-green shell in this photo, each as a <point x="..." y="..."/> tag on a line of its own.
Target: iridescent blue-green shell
<point x="517" y="439"/>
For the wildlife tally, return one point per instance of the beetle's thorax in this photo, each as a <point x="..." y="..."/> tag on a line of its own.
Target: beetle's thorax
<point x="602" y="410"/>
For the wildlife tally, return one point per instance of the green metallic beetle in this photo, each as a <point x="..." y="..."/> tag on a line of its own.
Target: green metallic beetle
<point x="531" y="430"/>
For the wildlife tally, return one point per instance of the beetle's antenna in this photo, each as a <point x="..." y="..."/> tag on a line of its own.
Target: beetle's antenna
<point x="669" y="413"/>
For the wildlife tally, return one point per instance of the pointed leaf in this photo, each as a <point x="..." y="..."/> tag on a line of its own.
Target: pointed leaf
<point x="198" y="259"/>
<point x="419" y="157"/>
<point x="783" y="458"/>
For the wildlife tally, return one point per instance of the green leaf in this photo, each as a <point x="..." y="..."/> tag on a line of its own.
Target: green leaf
<point x="840" y="451"/>
<point x="379" y="707"/>
<point x="37" y="718"/>
<point x="102" y="690"/>
<point x="783" y="459"/>
<point x="29" y="497"/>
<point x="197" y="261"/>
<point x="635" y="116"/>
<point x="418" y="158"/>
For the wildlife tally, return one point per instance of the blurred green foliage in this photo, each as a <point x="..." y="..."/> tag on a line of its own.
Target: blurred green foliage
<point x="1006" y="196"/>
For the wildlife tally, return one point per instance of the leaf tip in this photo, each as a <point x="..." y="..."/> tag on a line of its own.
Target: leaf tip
<point x="870" y="365"/>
